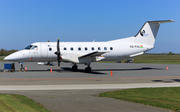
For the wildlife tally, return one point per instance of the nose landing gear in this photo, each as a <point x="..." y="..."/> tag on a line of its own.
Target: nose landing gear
<point x="22" y="68"/>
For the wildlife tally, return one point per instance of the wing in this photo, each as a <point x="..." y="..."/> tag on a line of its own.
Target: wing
<point x="91" y="55"/>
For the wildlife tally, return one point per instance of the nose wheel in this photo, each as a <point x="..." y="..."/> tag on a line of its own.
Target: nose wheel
<point x="22" y="68"/>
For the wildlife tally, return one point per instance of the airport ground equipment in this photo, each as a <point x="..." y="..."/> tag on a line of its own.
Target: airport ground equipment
<point x="9" y="66"/>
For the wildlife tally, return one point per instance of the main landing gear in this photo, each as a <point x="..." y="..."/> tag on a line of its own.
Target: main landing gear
<point x="87" y="69"/>
<point x="74" y="67"/>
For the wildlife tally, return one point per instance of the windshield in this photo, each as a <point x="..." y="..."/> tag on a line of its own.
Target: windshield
<point x="34" y="48"/>
<point x="28" y="47"/>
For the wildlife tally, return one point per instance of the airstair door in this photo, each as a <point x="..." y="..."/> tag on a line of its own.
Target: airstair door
<point x="44" y="50"/>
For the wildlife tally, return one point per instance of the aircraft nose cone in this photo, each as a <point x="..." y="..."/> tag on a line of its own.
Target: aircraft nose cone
<point x="8" y="58"/>
<point x="13" y="57"/>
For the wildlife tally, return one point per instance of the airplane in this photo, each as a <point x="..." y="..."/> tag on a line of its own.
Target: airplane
<point x="87" y="52"/>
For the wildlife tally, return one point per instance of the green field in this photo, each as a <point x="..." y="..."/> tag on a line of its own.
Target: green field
<point x="159" y="59"/>
<point x="19" y="103"/>
<point x="2" y="58"/>
<point x="168" y="98"/>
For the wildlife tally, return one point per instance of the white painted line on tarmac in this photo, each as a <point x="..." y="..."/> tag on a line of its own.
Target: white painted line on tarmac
<point x="87" y="86"/>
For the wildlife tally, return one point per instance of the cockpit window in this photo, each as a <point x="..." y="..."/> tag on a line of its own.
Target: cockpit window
<point x="28" y="47"/>
<point x="34" y="48"/>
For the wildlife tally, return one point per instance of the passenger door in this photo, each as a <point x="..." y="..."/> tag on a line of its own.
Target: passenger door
<point x="44" y="50"/>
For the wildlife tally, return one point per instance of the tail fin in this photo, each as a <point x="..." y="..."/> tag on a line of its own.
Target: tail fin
<point x="148" y="32"/>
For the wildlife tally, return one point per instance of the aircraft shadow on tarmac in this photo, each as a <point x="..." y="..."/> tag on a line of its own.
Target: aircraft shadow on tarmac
<point x="169" y="81"/>
<point x="143" y="68"/>
<point x="62" y="70"/>
<point x="99" y="71"/>
<point x="80" y="70"/>
<point x="94" y="71"/>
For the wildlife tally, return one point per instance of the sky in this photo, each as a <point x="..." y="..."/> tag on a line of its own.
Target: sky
<point x="23" y="22"/>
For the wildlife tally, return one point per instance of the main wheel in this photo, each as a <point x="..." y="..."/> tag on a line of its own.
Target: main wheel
<point x="88" y="69"/>
<point x="74" y="68"/>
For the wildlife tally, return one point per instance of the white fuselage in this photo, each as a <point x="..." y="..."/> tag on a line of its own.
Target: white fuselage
<point x="70" y="51"/>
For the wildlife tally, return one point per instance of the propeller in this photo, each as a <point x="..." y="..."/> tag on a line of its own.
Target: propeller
<point x="58" y="54"/>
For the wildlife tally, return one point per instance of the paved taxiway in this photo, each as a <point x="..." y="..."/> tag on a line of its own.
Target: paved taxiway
<point x="85" y="87"/>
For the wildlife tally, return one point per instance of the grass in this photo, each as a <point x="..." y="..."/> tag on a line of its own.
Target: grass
<point x="168" y="98"/>
<point x="2" y="58"/>
<point x="19" y="103"/>
<point x="159" y="59"/>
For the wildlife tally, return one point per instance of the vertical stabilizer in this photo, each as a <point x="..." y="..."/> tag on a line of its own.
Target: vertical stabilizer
<point x="148" y="32"/>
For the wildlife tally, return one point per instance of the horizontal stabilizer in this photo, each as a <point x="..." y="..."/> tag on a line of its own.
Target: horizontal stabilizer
<point x="162" y="21"/>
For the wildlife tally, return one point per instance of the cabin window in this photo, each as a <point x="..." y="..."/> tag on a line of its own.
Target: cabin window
<point x="92" y="48"/>
<point x="71" y="48"/>
<point x="86" y="48"/>
<point x="34" y="48"/>
<point x="111" y="48"/>
<point x="28" y="47"/>
<point x="65" y="48"/>
<point x="50" y="49"/>
<point x="105" y="48"/>
<point x="99" y="48"/>
<point x="79" y="48"/>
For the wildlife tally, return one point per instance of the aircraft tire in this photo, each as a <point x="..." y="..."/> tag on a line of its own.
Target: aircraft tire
<point x="22" y="69"/>
<point x="88" y="69"/>
<point x="74" y="68"/>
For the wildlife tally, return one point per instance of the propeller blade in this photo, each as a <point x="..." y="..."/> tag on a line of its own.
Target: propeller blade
<point x="58" y="45"/>
<point x="58" y="53"/>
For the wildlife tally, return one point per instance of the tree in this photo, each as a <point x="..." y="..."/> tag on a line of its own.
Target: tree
<point x="170" y="53"/>
<point x="4" y="52"/>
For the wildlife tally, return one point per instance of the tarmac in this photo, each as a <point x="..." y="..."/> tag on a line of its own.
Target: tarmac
<point x="64" y="90"/>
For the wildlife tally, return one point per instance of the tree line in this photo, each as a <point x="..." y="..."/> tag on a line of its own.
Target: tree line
<point x="170" y="53"/>
<point x="4" y="52"/>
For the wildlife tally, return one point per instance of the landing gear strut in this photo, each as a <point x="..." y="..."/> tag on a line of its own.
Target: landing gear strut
<point x="22" y="68"/>
<point x="74" y="67"/>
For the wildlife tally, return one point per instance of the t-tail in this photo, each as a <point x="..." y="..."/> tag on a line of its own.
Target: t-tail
<point x="147" y="34"/>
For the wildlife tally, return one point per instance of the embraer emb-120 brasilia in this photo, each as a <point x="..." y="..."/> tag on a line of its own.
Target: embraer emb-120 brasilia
<point x="87" y="52"/>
